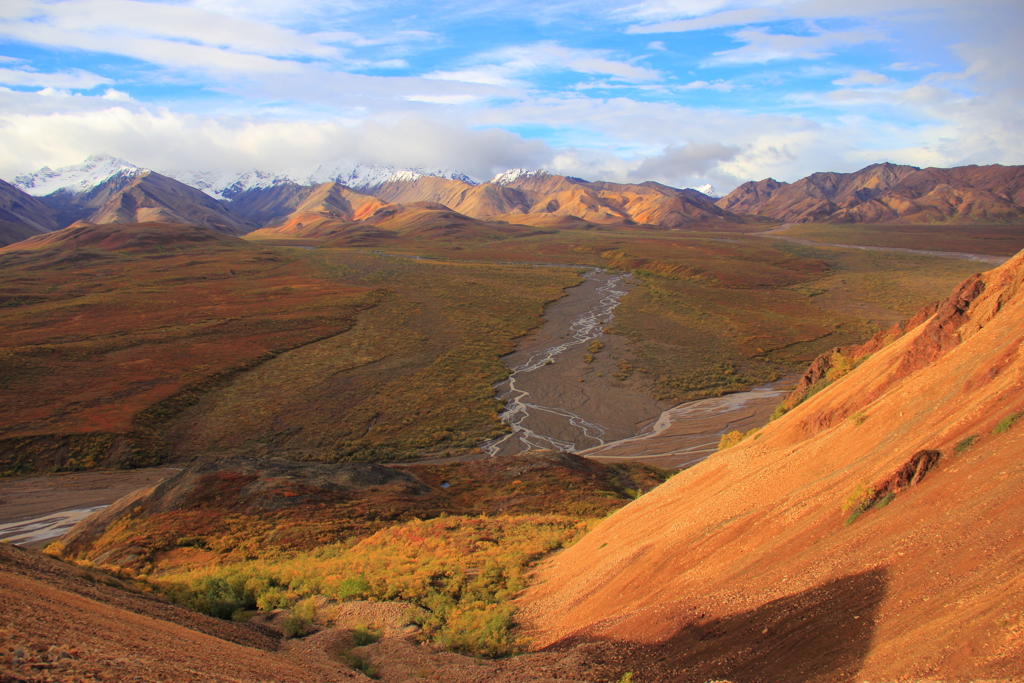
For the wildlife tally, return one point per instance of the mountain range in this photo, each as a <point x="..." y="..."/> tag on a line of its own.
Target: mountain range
<point x="105" y="189"/>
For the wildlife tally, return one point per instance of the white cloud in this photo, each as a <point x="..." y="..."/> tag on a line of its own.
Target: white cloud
<point x="505" y="67"/>
<point x="719" y="85"/>
<point x="442" y="99"/>
<point x="862" y="77"/>
<point x="163" y="140"/>
<point x="116" y="95"/>
<point x="762" y="47"/>
<point x="911" y="66"/>
<point x="54" y="92"/>
<point x="669" y="16"/>
<point x="292" y="87"/>
<point x="681" y="165"/>
<point x="75" y="79"/>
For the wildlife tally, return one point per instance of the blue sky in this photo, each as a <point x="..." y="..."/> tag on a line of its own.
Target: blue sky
<point x="680" y="91"/>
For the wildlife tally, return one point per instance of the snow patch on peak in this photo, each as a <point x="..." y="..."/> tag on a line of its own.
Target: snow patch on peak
<point x="360" y="177"/>
<point x="514" y="174"/>
<point x="709" y="190"/>
<point x="224" y="185"/>
<point x="399" y="176"/>
<point x="77" y="179"/>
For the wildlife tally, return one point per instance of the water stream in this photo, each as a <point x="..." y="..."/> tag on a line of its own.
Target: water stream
<point x="540" y="423"/>
<point x="32" y="532"/>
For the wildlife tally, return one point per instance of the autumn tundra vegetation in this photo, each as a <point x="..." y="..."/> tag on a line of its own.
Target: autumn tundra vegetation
<point x="327" y="388"/>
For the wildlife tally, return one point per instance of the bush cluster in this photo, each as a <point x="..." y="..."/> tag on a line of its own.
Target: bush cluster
<point x="461" y="572"/>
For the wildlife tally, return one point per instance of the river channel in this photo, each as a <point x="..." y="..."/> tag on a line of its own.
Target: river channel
<point x="561" y="393"/>
<point x="559" y="398"/>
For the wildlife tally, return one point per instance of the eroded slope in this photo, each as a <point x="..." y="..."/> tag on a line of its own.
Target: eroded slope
<point x="744" y="568"/>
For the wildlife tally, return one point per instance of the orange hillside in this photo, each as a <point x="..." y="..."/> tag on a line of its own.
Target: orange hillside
<point x="747" y="567"/>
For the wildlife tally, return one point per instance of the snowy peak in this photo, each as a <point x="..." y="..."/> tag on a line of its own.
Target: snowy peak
<point x="514" y="174"/>
<point x="359" y="177"/>
<point x="77" y="179"/>
<point x="709" y="190"/>
<point x="226" y="184"/>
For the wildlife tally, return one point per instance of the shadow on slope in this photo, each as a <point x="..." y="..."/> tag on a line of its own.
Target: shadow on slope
<point x="821" y="634"/>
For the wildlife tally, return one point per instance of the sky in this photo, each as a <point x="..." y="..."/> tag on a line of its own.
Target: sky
<point x="684" y="92"/>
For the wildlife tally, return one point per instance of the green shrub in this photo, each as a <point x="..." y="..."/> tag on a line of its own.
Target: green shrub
<point x="361" y="663"/>
<point x="352" y="588"/>
<point x="840" y="365"/>
<point x="859" y="417"/>
<point x="216" y="596"/>
<point x="480" y="628"/>
<point x="365" y="635"/>
<point x="1007" y="422"/>
<point x="857" y="502"/>
<point x="964" y="445"/>
<point x="884" y="500"/>
<point x="460" y="573"/>
<point x="734" y="437"/>
<point x="300" y="622"/>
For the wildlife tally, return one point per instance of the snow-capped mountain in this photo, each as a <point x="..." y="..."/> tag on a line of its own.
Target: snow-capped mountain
<point x="76" y="179"/>
<point x="514" y="174"/>
<point x="225" y="185"/>
<point x="360" y="177"/>
<point x="98" y="168"/>
<point x="709" y="190"/>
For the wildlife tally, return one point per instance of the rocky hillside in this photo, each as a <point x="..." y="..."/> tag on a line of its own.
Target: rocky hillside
<point x="871" y="533"/>
<point x="883" y="193"/>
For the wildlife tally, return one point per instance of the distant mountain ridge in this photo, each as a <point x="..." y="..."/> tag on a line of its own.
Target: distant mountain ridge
<point x="98" y="168"/>
<point x="106" y="189"/>
<point x="887" y="192"/>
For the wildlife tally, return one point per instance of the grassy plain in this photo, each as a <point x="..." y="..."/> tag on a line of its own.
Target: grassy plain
<point x="995" y="240"/>
<point x="716" y="312"/>
<point x="132" y="345"/>
<point x="413" y="377"/>
<point x="107" y="342"/>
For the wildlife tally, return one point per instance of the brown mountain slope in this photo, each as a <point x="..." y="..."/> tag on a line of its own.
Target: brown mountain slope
<point x="888" y="193"/>
<point x="477" y="201"/>
<point x="548" y="195"/>
<point x="323" y="210"/>
<point x="336" y="200"/>
<point x="745" y="568"/>
<point x="981" y="194"/>
<point x="122" y="238"/>
<point x="269" y="205"/>
<point x="63" y="623"/>
<point x="815" y="197"/>
<point x="389" y="225"/>
<point x="151" y="197"/>
<point x="22" y="215"/>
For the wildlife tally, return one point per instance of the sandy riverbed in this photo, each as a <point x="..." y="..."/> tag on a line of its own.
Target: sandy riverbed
<point x="560" y="400"/>
<point x="35" y="510"/>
